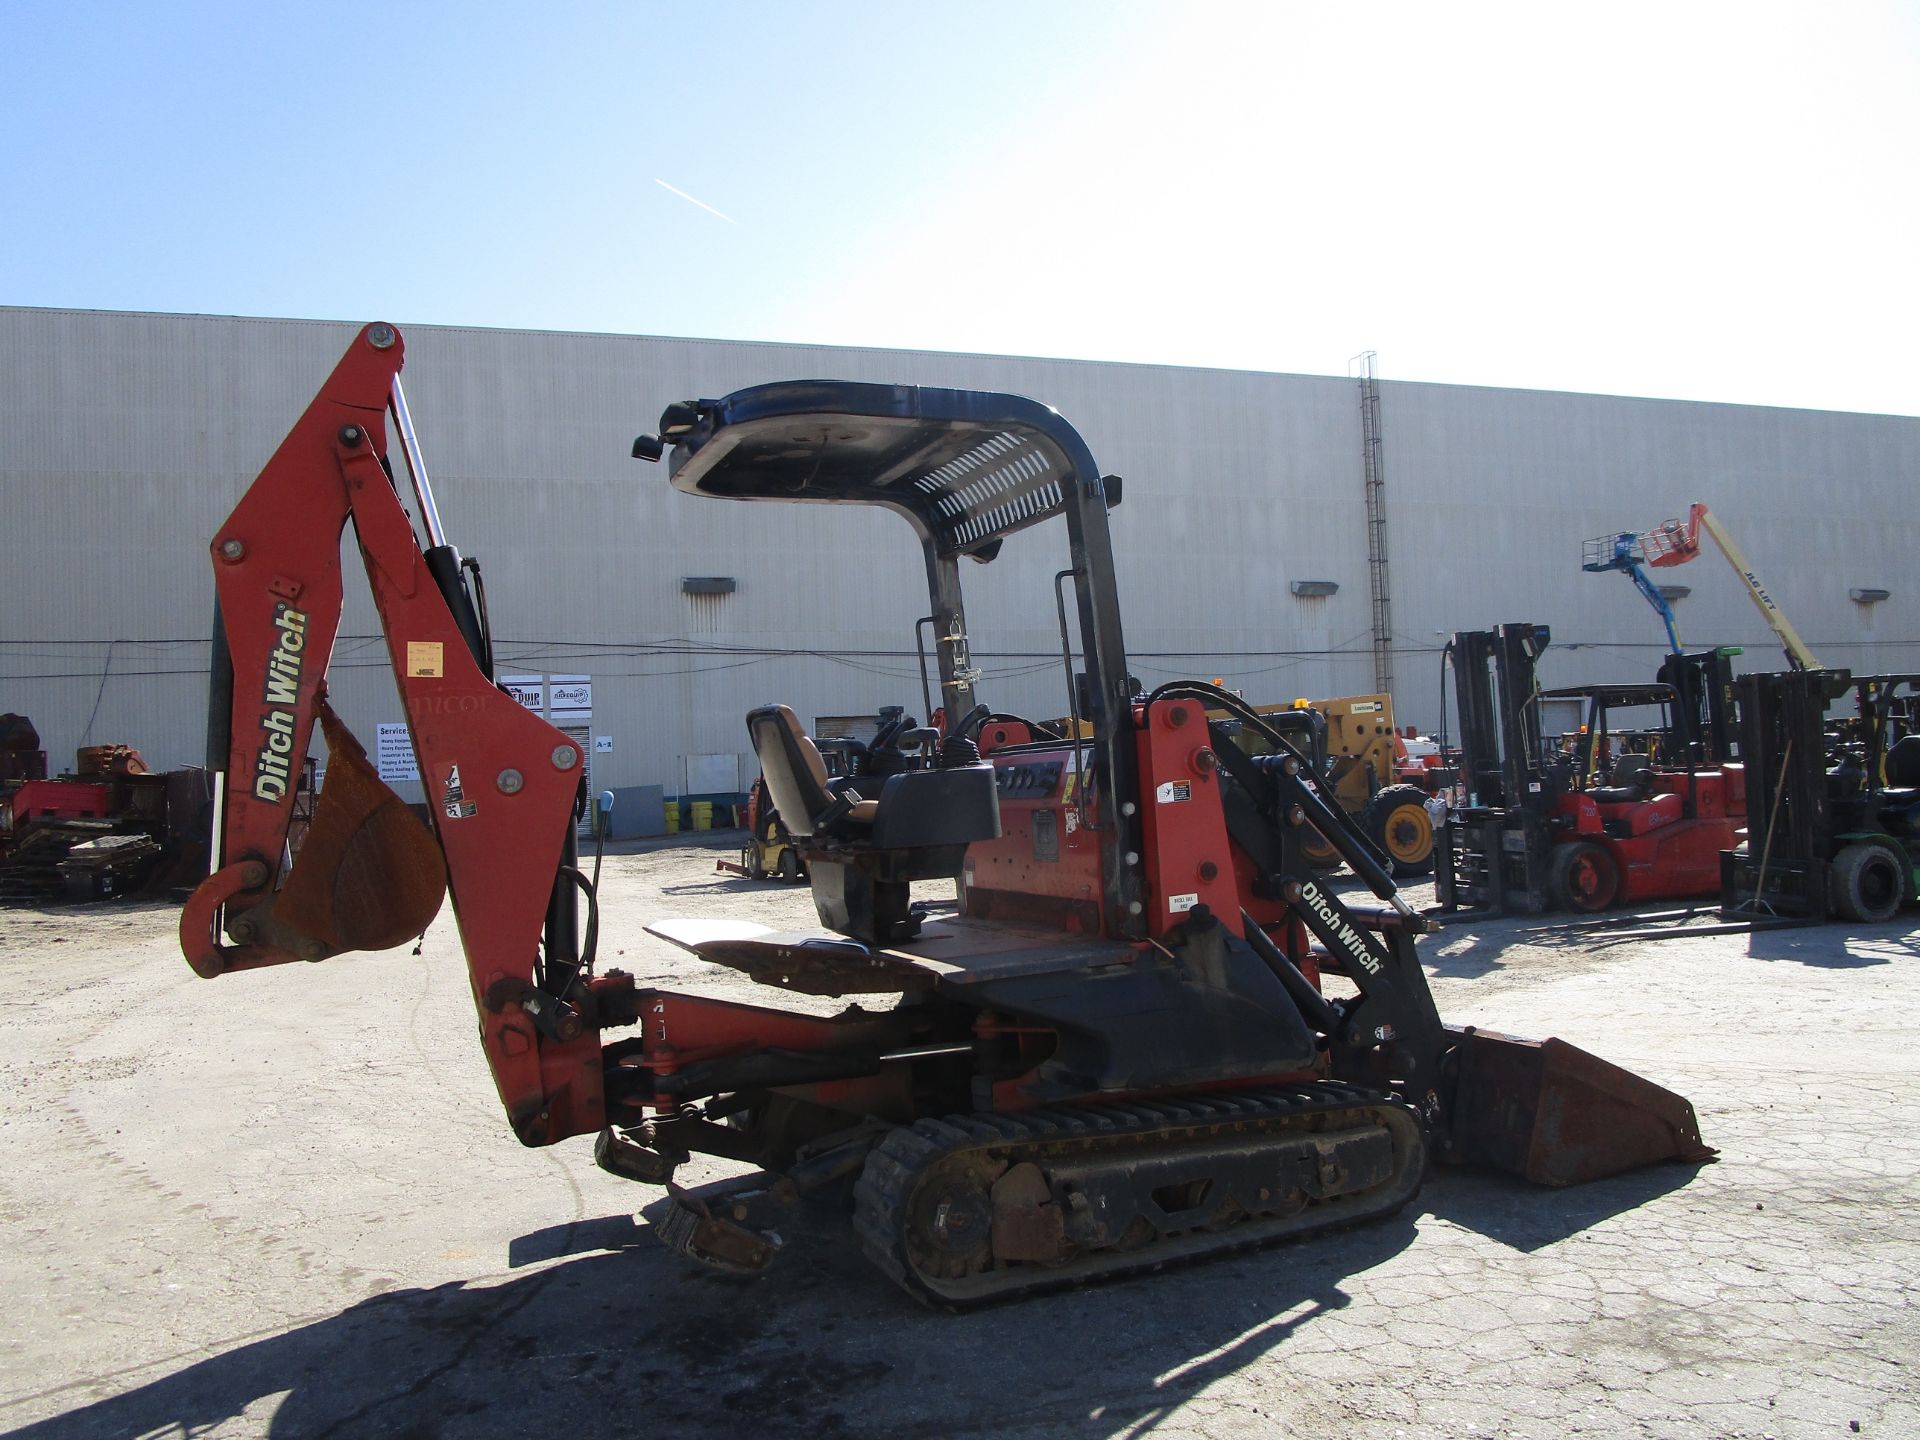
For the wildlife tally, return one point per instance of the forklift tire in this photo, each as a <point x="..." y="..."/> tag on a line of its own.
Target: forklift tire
<point x="1396" y="820"/>
<point x="1583" y="877"/>
<point x="756" y="863"/>
<point x="1868" y="882"/>
<point x="790" y="865"/>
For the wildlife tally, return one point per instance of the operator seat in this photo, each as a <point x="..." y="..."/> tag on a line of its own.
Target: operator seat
<point x="797" y="778"/>
<point x="1900" y="801"/>
<point x="1632" y="780"/>
<point x="863" y="854"/>
<point x="1903" y="763"/>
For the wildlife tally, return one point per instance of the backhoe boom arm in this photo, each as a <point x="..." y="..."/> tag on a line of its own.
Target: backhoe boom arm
<point x="501" y="783"/>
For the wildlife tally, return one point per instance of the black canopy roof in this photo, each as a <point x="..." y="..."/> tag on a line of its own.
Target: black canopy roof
<point x="967" y="467"/>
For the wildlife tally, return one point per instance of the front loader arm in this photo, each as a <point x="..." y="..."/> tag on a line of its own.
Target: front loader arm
<point x="501" y="783"/>
<point x="1546" y="1110"/>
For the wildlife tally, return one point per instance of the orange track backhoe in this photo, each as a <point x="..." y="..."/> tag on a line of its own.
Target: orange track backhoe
<point x="1113" y="1052"/>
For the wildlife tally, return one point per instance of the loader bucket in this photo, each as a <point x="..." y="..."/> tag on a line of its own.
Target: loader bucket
<point x="369" y="874"/>
<point x="1553" y="1113"/>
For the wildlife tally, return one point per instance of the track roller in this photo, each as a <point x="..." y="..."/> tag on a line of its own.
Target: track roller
<point x="976" y="1208"/>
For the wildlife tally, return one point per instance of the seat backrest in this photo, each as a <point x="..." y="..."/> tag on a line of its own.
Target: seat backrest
<point x="796" y="776"/>
<point x="1628" y="769"/>
<point x="1903" y="762"/>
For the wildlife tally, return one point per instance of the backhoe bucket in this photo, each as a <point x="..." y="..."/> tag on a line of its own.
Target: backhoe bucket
<point x="1553" y="1113"/>
<point x="369" y="874"/>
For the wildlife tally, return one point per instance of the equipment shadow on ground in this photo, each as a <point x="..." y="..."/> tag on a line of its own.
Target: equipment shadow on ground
<point x="631" y="1340"/>
<point x="1838" y="947"/>
<point x="1530" y="1217"/>
<point x="721" y="883"/>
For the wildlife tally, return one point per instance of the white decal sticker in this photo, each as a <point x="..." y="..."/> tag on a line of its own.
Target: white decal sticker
<point x="1180" y="904"/>
<point x="453" y="798"/>
<point x="1173" y="792"/>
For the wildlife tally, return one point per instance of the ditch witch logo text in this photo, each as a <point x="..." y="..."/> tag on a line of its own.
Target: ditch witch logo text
<point x="273" y="766"/>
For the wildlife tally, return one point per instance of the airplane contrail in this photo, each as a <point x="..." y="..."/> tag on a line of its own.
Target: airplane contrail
<point x="692" y="201"/>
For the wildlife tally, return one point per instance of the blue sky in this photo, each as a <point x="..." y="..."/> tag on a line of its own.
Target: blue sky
<point x="1699" y="200"/>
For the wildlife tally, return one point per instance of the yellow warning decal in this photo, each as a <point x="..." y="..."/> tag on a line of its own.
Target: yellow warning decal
<point x="426" y="659"/>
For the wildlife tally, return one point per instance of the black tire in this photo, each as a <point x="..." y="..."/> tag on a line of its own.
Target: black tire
<point x="1320" y="855"/>
<point x="1583" y="877"/>
<point x="759" y="847"/>
<point x="1396" y="820"/>
<point x="1868" y="882"/>
<point x="790" y="865"/>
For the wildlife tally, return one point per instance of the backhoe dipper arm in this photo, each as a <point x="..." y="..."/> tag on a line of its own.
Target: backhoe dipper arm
<point x="501" y="782"/>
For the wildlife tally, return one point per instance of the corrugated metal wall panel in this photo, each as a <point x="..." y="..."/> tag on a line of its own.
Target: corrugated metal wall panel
<point x="130" y="436"/>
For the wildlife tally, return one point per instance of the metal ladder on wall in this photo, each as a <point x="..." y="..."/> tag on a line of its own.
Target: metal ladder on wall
<point x="1361" y="367"/>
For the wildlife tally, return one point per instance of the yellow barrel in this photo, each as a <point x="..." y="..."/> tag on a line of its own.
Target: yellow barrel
<point x="703" y="814"/>
<point x="673" y="817"/>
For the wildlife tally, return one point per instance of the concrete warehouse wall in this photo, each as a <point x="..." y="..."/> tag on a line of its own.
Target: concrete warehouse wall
<point x="129" y="436"/>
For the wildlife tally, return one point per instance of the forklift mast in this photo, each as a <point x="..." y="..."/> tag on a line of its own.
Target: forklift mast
<point x="1492" y="853"/>
<point x="1500" y="739"/>
<point x="1705" y="717"/>
<point x="1782" y="870"/>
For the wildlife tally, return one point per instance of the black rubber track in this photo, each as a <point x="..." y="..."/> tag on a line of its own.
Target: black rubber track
<point x="897" y="1165"/>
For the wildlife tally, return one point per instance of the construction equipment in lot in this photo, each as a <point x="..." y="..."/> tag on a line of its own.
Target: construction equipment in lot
<point x="1111" y="1052"/>
<point x="1672" y="543"/>
<point x="108" y="828"/>
<point x="1834" y="809"/>
<point x="21" y="757"/>
<point x="1585" y="829"/>
<point x="1639" y="824"/>
<point x="1373" y="779"/>
<point x="769" y="852"/>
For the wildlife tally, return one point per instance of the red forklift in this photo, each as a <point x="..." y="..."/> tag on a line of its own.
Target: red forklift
<point x="1625" y="812"/>
<point x="1643" y="819"/>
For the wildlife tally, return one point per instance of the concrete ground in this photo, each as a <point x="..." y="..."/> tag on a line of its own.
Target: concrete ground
<point x="285" y="1203"/>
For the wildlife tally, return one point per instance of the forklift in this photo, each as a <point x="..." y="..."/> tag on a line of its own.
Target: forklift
<point x="769" y="851"/>
<point x="1834" y="808"/>
<point x="1544" y="827"/>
